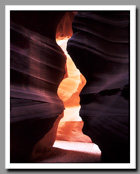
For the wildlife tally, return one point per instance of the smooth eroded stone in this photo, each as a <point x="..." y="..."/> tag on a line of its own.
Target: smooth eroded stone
<point x="37" y="66"/>
<point x="71" y="86"/>
<point x="99" y="48"/>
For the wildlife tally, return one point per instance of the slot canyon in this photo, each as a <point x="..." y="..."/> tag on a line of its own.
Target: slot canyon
<point x="69" y="87"/>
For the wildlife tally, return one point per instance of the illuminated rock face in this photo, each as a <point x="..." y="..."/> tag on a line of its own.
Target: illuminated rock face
<point x="71" y="86"/>
<point x="37" y="66"/>
<point x="70" y="126"/>
<point x="100" y="49"/>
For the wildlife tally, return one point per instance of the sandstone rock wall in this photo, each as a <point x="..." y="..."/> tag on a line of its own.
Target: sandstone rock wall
<point x="37" y="66"/>
<point x="100" y="49"/>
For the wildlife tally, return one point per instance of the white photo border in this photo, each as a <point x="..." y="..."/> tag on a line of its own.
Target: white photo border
<point x="132" y="164"/>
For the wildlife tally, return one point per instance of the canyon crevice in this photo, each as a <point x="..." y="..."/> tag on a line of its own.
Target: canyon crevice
<point x="40" y="79"/>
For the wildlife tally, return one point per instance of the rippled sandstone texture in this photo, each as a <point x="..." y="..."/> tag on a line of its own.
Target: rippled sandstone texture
<point x="100" y="49"/>
<point x="37" y="66"/>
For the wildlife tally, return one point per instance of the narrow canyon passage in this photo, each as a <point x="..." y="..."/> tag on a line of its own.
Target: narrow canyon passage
<point x="69" y="133"/>
<point x="71" y="145"/>
<point x="69" y="72"/>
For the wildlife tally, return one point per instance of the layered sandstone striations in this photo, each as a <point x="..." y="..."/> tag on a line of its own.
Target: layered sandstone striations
<point x="37" y="66"/>
<point x="100" y="49"/>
